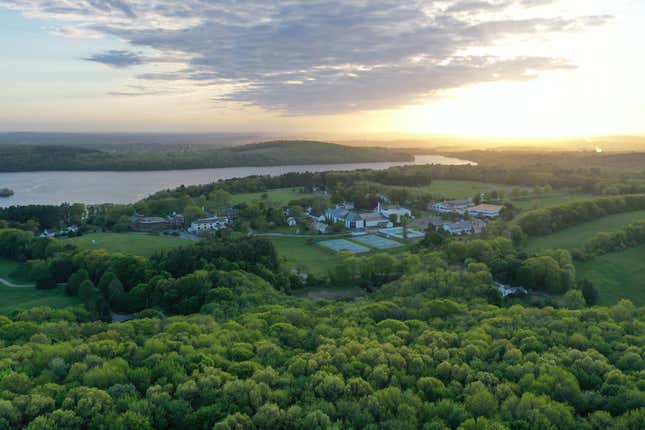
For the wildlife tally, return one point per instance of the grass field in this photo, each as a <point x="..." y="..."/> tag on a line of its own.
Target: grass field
<point x="13" y="271"/>
<point x="135" y="244"/>
<point x="454" y="189"/>
<point x="554" y="198"/>
<point x="304" y="255"/>
<point x="280" y="195"/>
<point x="617" y="275"/>
<point x="24" y="298"/>
<point x="576" y="236"/>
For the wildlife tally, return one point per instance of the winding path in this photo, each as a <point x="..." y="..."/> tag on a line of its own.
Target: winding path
<point x="8" y="283"/>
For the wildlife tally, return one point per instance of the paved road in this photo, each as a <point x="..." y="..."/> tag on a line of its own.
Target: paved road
<point x="8" y="283"/>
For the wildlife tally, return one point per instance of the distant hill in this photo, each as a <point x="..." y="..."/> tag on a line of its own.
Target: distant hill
<point x="25" y="157"/>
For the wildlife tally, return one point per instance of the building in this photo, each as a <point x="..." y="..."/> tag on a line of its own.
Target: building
<point x="337" y="214"/>
<point x="478" y="225"/>
<point x="208" y="224"/>
<point x="153" y="223"/>
<point x="176" y="220"/>
<point x="319" y="226"/>
<point x="47" y="233"/>
<point x="354" y="221"/>
<point x="375" y="220"/>
<point x="397" y="211"/>
<point x="453" y="206"/>
<point x="231" y="213"/>
<point x="485" y="210"/>
<point x="291" y="221"/>
<point x="459" y="227"/>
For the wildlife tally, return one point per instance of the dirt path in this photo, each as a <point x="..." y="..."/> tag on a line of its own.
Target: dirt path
<point x="8" y="283"/>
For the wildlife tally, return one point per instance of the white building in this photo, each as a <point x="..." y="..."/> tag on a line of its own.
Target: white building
<point x="291" y="221"/>
<point x="375" y="220"/>
<point x="207" y="224"/>
<point x="453" y="206"/>
<point x="459" y="227"/>
<point x="398" y="211"/>
<point x="354" y="221"/>
<point x="485" y="210"/>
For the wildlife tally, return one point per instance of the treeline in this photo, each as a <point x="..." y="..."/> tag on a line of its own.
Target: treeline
<point x="548" y="220"/>
<point x="603" y="243"/>
<point x="401" y="360"/>
<point x="32" y="217"/>
<point x="17" y="158"/>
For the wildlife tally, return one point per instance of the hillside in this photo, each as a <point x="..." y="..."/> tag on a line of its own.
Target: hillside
<point x="17" y="158"/>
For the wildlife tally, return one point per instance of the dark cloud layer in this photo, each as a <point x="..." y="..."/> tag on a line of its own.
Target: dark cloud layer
<point x="319" y="56"/>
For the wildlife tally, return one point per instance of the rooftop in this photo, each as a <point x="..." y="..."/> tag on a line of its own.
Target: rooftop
<point x="487" y="208"/>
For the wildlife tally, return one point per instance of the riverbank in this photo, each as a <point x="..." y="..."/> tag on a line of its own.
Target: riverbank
<point x="54" y="188"/>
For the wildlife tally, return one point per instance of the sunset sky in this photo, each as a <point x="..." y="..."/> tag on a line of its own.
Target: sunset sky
<point x="521" y="68"/>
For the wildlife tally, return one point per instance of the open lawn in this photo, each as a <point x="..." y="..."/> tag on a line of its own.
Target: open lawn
<point x="130" y="243"/>
<point x="552" y="199"/>
<point x="13" y="299"/>
<point x="279" y="195"/>
<point x="304" y="255"/>
<point x="619" y="275"/>
<point x="454" y="189"/>
<point x="13" y="271"/>
<point x="576" y="236"/>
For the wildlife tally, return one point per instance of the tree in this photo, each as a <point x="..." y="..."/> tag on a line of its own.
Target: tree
<point x="589" y="291"/>
<point x="75" y="281"/>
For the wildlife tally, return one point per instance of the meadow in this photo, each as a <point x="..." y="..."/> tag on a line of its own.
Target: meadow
<point x="305" y="255"/>
<point x="457" y="189"/>
<point x="576" y="236"/>
<point x="129" y="243"/>
<point x="619" y="275"/>
<point x="552" y="199"/>
<point x="279" y="195"/>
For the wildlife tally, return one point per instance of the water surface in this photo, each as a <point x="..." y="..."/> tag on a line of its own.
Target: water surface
<point x="53" y="188"/>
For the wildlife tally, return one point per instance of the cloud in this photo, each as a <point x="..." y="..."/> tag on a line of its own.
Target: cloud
<point x="319" y="56"/>
<point x="117" y="58"/>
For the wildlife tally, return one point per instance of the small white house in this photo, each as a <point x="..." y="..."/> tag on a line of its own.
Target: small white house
<point x="291" y="221"/>
<point x="47" y="233"/>
<point x="208" y="224"/>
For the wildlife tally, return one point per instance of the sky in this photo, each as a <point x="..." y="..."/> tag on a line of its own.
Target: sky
<point x="490" y="68"/>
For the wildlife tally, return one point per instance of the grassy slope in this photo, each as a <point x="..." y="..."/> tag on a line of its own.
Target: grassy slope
<point x="13" y="271"/>
<point x="24" y="298"/>
<point x="136" y="244"/>
<point x="12" y="299"/>
<point x="617" y="275"/>
<point x="575" y="236"/>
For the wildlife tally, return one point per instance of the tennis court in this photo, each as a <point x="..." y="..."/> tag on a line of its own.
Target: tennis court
<point x="377" y="242"/>
<point x="344" y="245"/>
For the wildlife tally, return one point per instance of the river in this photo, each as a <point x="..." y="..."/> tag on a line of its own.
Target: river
<point x="53" y="188"/>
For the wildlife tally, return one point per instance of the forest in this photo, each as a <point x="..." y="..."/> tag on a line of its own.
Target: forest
<point x="20" y="158"/>
<point x="218" y="335"/>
